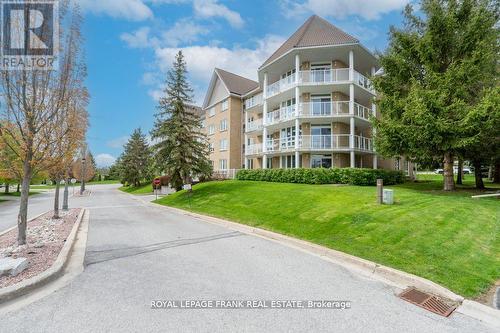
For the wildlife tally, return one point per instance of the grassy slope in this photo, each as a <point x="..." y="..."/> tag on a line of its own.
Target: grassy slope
<point x="143" y="189"/>
<point x="448" y="238"/>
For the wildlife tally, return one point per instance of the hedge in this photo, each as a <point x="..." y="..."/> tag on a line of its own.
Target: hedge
<point x="352" y="176"/>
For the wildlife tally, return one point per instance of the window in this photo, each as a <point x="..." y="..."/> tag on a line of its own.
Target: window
<point x="288" y="162"/>
<point x="321" y="161"/>
<point x="211" y="129"/>
<point x="223" y="125"/>
<point x="225" y="105"/>
<point x="250" y="163"/>
<point x="269" y="162"/>
<point x="223" y="164"/>
<point x="211" y="112"/>
<point x="223" y="144"/>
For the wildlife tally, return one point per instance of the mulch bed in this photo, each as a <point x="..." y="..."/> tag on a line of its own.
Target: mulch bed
<point x="45" y="237"/>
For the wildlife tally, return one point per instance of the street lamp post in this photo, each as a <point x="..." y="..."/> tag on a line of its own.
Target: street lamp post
<point x="82" y="187"/>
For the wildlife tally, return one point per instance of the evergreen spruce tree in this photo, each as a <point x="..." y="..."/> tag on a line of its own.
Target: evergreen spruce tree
<point x="135" y="162"/>
<point x="438" y="72"/>
<point x="181" y="149"/>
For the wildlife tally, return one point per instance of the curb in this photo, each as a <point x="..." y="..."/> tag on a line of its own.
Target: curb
<point x="370" y="269"/>
<point x="48" y="275"/>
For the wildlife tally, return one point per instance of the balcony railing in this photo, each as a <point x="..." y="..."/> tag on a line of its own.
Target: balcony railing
<point x="253" y="101"/>
<point x="323" y="109"/>
<point x="324" y="76"/>
<point x="363" y="81"/>
<point x="282" y="144"/>
<point x="253" y="149"/>
<point x="313" y="142"/>
<point x="280" y="115"/>
<point x="362" y="111"/>
<point x="254" y="125"/>
<point x="330" y="109"/>
<point x="281" y="85"/>
<point x="363" y="143"/>
<point x="325" y="142"/>
<point x="313" y="77"/>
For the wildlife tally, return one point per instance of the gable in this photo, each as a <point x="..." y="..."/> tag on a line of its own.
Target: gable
<point x="218" y="93"/>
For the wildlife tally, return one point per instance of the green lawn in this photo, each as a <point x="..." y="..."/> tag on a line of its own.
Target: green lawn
<point x="448" y="238"/>
<point x="15" y="194"/>
<point x="143" y="189"/>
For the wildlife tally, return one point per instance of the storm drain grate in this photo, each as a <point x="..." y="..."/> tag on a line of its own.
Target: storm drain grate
<point x="427" y="301"/>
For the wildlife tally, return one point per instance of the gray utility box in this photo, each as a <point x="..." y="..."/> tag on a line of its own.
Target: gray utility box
<point x="388" y="197"/>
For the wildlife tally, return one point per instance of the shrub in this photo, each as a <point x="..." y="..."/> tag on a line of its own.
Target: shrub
<point x="352" y="176"/>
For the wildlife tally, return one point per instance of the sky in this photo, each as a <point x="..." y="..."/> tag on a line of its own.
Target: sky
<point x="130" y="45"/>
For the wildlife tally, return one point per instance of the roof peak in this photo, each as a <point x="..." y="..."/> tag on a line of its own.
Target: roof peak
<point x="315" y="31"/>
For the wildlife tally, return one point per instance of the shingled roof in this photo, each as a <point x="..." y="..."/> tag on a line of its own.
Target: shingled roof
<point x="236" y="84"/>
<point x="316" y="31"/>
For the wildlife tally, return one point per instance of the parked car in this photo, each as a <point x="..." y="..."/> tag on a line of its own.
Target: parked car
<point x="465" y="170"/>
<point x="439" y="171"/>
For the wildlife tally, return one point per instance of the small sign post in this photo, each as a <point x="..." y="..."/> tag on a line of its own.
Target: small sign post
<point x="380" y="191"/>
<point x="73" y="181"/>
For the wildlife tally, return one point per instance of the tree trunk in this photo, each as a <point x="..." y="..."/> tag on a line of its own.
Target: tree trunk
<point x="18" y="187"/>
<point x="496" y="174"/>
<point x="22" y="218"/>
<point x="460" y="171"/>
<point x="449" y="182"/>
<point x="66" y="194"/>
<point x="478" y="174"/>
<point x="56" y="201"/>
<point x="7" y="188"/>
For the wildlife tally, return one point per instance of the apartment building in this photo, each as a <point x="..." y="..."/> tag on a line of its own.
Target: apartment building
<point x="311" y="106"/>
<point x="223" y="118"/>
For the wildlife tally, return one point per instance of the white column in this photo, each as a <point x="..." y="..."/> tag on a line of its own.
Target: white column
<point x="264" y="123"/>
<point x="245" y="153"/>
<point x="351" y="65"/>
<point x="353" y="161"/>
<point x="374" y="131"/>
<point x="352" y="123"/>
<point x="373" y="71"/>
<point x="297" y="68"/>
<point x="297" y="137"/>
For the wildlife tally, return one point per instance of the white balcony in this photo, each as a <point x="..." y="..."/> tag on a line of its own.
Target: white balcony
<point x="255" y="125"/>
<point x="324" y="142"/>
<point x="281" y="115"/>
<point x="254" y="149"/>
<point x="253" y="101"/>
<point x="363" y="81"/>
<point x="323" y="109"/>
<point x="280" y="145"/>
<point x="281" y="85"/>
<point x="362" y="143"/>
<point x="324" y="76"/>
<point x="332" y="109"/>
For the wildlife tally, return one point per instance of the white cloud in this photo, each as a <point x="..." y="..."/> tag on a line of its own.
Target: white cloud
<point x="211" y="8"/>
<point x="184" y="31"/>
<point x="118" y="142"/>
<point x="339" y="9"/>
<point x="134" y="10"/>
<point x="104" y="160"/>
<point x="139" y="39"/>
<point x="202" y="59"/>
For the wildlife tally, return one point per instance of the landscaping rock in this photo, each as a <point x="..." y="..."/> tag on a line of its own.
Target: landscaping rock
<point x="12" y="266"/>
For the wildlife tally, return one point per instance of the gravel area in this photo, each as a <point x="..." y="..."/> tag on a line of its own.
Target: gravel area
<point x="45" y="239"/>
